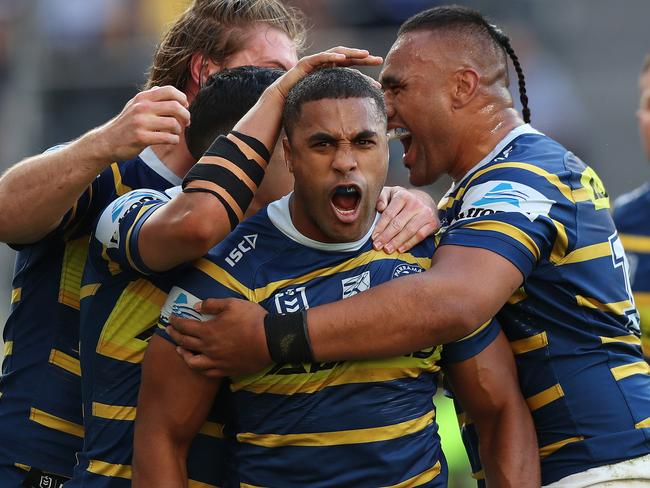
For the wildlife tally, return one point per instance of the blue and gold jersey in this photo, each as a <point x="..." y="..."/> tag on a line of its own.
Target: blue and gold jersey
<point x="632" y="219"/>
<point x="40" y="387"/>
<point x="352" y="423"/>
<point x="573" y="325"/>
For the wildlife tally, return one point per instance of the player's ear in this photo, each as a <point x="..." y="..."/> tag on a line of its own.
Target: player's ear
<point x="287" y="153"/>
<point x="466" y="81"/>
<point x="201" y="67"/>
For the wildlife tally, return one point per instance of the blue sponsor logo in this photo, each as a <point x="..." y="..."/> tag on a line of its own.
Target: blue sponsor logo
<point x="502" y="193"/>
<point x="406" y="269"/>
<point x="181" y="308"/>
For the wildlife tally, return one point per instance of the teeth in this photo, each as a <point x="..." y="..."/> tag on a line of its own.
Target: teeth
<point x="346" y="189"/>
<point x="398" y="133"/>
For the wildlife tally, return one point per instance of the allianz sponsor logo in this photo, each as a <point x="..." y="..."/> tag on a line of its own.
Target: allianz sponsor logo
<point x="504" y="196"/>
<point x="406" y="269"/>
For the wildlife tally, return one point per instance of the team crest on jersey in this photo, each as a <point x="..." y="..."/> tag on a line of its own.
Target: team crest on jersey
<point x="291" y="300"/>
<point x="356" y="284"/>
<point x="504" y="196"/>
<point x="180" y="303"/>
<point x="407" y="269"/>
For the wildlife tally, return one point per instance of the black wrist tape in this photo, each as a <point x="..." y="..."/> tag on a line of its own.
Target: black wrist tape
<point x="287" y="337"/>
<point x="232" y="216"/>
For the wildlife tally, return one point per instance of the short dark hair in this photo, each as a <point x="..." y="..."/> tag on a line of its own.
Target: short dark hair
<point x="225" y="98"/>
<point x="459" y="17"/>
<point x="334" y="83"/>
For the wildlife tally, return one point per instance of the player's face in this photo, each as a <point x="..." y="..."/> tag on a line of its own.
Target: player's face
<point x="339" y="157"/>
<point x="267" y="47"/>
<point x="643" y="113"/>
<point x="415" y="83"/>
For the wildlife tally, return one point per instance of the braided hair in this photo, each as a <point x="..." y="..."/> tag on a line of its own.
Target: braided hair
<point x="463" y="17"/>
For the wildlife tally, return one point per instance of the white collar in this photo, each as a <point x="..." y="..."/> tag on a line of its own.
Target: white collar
<point x="509" y="137"/>
<point x="153" y="161"/>
<point x="280" y="217"/>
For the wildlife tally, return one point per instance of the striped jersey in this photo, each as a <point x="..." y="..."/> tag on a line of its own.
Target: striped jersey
<point x="120" y="303"/>
<point x="40" y="387"/>
<point x="632" y="219"/>
<point x="573" y="325"/>
<point x="343" y="423"/>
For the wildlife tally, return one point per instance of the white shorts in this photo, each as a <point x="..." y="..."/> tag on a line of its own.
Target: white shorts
<point x="633" y="473"/>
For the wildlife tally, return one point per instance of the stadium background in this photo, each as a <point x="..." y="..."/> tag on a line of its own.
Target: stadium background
<point x="68" y="65"/>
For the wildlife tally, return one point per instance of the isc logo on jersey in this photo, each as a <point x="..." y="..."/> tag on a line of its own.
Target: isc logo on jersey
<point x="181" y="303"/>
<point x="504" y="196"/>
<point x="245" y="245"/>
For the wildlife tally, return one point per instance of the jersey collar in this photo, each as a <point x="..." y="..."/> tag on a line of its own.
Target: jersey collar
<point x="501" y="145"/>
<point x="280" y="217"/>
<point x="153" y="161"/>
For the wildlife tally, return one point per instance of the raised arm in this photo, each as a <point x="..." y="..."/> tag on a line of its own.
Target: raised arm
<point x="218" y="190"/>
<point x="36" y="193"/>
<point x="487" y="388"/>
<point x="173" y="404"/>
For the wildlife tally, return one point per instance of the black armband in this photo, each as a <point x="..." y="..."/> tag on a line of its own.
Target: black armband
<point x="232" y="216"/>
<point x="236" y="166"/>
<point x="287" y="337"/>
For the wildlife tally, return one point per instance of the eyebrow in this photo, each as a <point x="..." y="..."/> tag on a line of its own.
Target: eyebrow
<point x="325" y="137"/>
<point x="389" y="80"/>
<point x="365" y="134"/>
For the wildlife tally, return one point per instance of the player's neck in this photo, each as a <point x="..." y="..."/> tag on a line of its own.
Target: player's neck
<point x="175" y="156"/>
<point x="481" y="138"/>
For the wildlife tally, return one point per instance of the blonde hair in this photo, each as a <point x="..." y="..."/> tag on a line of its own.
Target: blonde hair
<point x="217" y="29"/>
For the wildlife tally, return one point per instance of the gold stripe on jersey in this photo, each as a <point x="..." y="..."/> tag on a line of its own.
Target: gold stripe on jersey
<point x="528" y="344"/>
<point x="642" y="298"/>
<point x="634" y="243"/>
<point x="136" y="310"/>
<point x="561" y="243"/>
<point x="479" y="475"/>
<point x="65" y="361"/>
<point x="72" y="267"/>
<point x="510" y="230"/>
<point x="56" y="423"/>
<point x="120" y="188"/>
<point x="111" y="470"/>
<point x="16" y="294"/>
<point x="212" y="429"/>
<point x="550" y="177"/>
<point x="310" y="378"/>
<point x="617" y="308"/>
<point x="257" y="295"/>
<point x="545" y="397"/>
<point x="643" y="424"/>
<point x="621" y="372"/>
<point x="339" y="438"/>
<point x="482" y="327"/>
<point x="587" y="253"/>
<point x="113" y="412"/>
<point x="222" y="276"/>
<point x="628" y="339"/>
<point x="518" y="296"/>
<point x="549" y="449"/>
<point x="248" y="151"/>
<point x="24" y="467"/>
<point x="419" y="479"/>
<point x="113" y="267"/>
<point x="8" y="348"/>
<point x="89" y="290"/>
<point x="366" y="258"/>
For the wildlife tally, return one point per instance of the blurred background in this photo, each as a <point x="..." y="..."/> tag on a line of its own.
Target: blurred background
<point x="69" y="65"/>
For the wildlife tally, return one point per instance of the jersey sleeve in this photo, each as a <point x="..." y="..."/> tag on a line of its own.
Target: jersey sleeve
<point x="119" y="225"/>
<point x="513" y="213"/>
<point x="194" y="286"/>
<point x="472" y="345"/>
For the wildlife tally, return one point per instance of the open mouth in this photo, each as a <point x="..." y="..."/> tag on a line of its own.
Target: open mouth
<point x="345" y="201"/>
